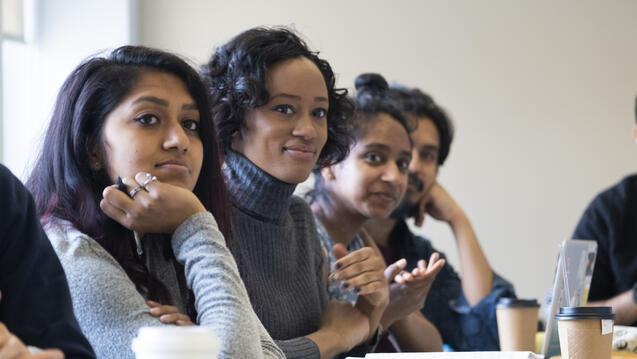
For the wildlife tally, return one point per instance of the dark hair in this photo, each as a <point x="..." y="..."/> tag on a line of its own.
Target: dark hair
<point x="371" y="99"/>
<point x="235" y="76"/>
<point x="417" y="103"/>
<point x="62" y="182"/>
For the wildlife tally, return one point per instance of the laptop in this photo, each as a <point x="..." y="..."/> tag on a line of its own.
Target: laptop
<point x="572" y="282"/>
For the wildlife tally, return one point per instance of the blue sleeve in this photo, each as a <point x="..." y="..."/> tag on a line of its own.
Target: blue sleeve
<point x="36" y="303"/>
<point x="461" y="326"/>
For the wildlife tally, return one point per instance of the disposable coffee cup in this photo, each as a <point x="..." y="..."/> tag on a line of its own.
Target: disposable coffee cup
<point x="517" y="323"/>
<point x="172" y="342"/>
<point x="585" y="332"/>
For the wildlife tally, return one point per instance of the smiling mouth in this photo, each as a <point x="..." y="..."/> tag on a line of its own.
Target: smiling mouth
<point x="304" y="153"/>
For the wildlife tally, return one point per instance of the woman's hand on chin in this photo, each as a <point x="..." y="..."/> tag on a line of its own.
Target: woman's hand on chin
<point x="155" y="207"/>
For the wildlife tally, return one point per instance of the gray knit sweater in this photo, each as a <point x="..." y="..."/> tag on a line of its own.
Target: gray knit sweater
<point x="279" y="255"/>
<point x="110" y="310"/>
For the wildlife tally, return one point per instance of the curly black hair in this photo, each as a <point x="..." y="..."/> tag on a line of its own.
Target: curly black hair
<point x="417" y="103"/>
<point x="235" y="77"/>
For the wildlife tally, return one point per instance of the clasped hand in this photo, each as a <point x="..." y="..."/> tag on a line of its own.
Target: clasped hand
<point x="363" y="272"/>
<point x="158" y="208"/>
<point x="439" y="204"/>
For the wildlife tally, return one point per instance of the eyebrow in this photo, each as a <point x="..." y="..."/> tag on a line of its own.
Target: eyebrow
<point x="152" y="99"/>
<point x="295" y="97"/>
<point x="429" y="147"/>
<point x="162" y="102"/>
<point x="384" y="147"/>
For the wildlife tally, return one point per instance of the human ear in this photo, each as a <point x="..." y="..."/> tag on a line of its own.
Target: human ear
<point x="237" y="142"/>
<point x="327" y="173"/>
<point x="95" y="156"/>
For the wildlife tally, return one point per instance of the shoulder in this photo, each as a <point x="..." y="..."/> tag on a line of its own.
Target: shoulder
<point x="300" y="209"/>
<point x="305" y="222"/>
<point x="617" y="196"/>
<point x="611" y="207"/>
<point x="92" y="273"/>
<point x="15" y="197"/>
<point x="303" y="217"/>
<point x="7" y="179"/>
<point x="76" y="250"/>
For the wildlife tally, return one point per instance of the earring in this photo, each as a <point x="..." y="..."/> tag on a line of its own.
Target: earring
<point x="96" y="165"/>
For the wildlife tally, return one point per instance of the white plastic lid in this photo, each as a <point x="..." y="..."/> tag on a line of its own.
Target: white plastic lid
<point x="176" y="339"/>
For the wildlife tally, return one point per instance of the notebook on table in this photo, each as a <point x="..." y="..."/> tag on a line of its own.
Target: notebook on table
<point x="456" y="355"/>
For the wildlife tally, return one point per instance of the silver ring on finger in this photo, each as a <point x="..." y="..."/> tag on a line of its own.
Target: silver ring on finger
<point x="149" y="178"/>
<point x="136" y="190"/>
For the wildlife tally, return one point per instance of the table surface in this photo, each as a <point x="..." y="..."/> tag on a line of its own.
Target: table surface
<point x="616" y="355"/>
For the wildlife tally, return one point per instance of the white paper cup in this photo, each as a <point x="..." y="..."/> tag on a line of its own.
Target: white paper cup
<point x="172" y="342"/>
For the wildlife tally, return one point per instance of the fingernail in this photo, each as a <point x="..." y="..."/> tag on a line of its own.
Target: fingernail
<point x="334" y="277"/>
<point x="338" y="266"/>
<point x="345" y="285"/>
<point x="357" y="290"/>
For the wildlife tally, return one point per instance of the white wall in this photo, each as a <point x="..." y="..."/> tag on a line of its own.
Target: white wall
<point x="66" y="32"/>
<point x="541" y="93"/>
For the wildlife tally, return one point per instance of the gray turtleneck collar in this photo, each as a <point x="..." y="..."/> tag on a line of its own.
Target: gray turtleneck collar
<point x="255" y="191"/>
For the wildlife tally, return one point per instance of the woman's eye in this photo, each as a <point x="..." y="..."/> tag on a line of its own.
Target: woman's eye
<point x="191" y="125"/>
<point x="373" y="157"/>
<point x="284" y="109"/>
<point x="319" y="113"/>
<point x="147" y="119"/>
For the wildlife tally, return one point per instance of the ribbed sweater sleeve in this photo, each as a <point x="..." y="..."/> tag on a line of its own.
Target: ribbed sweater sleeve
<point x="221" y="298"/>
<point x="106" y="303"/>
<point x="300" y="347"/>
<point x="111" y="311"/>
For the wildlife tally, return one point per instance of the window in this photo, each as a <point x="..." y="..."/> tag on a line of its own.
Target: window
<point x="12" y="19"/>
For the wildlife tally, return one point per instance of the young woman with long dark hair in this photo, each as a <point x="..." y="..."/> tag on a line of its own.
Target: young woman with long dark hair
<point x="130" y="190"/>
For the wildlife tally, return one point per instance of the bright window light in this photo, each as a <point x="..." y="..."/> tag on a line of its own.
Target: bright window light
<point x="12" y="19"/>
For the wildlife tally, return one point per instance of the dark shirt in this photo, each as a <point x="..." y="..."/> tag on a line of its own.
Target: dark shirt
<point x="461" y="326"/>
<point x="611" y="220"/>
<point x="36" y="304"/>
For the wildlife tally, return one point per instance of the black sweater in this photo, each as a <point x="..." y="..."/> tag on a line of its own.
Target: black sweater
<point x="36" y="304"/>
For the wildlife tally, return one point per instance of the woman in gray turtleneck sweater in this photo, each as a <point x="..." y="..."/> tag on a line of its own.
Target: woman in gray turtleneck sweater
<point x="278" y="115"/>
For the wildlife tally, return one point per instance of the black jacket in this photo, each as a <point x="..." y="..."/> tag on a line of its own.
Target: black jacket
<point x="36" y="304"/>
